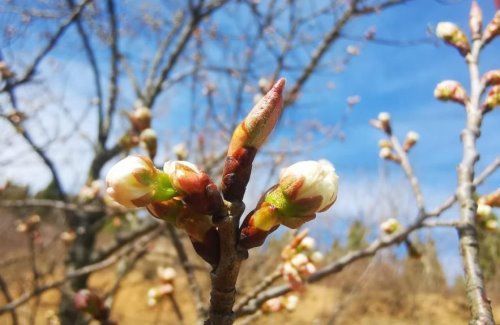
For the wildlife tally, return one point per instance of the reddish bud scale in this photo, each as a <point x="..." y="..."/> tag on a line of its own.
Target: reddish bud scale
<point x="209" y="247"/>
<point x="492" y="78"/>
<point x="248" y="137"/>
<point x="252" y="236"/>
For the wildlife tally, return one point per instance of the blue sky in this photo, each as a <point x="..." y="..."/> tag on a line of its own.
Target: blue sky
<point x="396" y="79"/>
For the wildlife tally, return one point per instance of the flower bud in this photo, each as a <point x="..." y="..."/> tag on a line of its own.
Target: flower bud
<point x="196" y="188"/>
<point x="68" y="237"/>
<point x="492" y="99"/>
<point x="308" y="243"/>
<point x="492" y="199"/>
<point x="483" y="212"/>
<point x="299" y="260"/>
<point x="248" y="137"/>
<point x="32" y="223"/>
<point x="135" y="182"/>
<point x="384" y="122"/>
<point x="149" y="141"/>
<point x="89" y="302"/>
<point x="317" y="257"/>
<point x="411" y="139"/>
<point x="272" y="305"/>
<point x="491" y="78"/>
<point x="291" y="302"/>
<point x="166" y="274"/>
<point x="128" y="141"/>
<point x="140" y="118"/>
<point x="492" y="29"/>
<point x="454" y="36"/>
<point x="450" y="90"/>
<point x="5" y="72"/>
<point x="475" y="20"/>
<point x="390" y="226"/>
<point x="387" y="154"/>
<point x="181" y="151"/>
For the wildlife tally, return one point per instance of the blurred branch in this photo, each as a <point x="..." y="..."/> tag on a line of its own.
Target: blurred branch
<point x="8" y="298"/>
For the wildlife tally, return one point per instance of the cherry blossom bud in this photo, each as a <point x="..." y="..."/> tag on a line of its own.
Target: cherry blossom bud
<point x="135" y="182"/>
<point x="129" y="141"/>
<point x="248" y="137"/>
<point x="291" y="302"/>
<point x="453" y="35"/>
<point x="308" y="243"/>
<point x="384" y="143"/>
<point x="181" y="151"/>
<point x="450" y="90"/>
<point x="299" y="260"/>
<point x="272" y="305"/>
<point x="317" y="257"/>
<point x="308" y="269"/>
<point x="484" y="212"/>
<point x="492" y="199"/>
<point x="492" y="29"/>
<point x="5" y="72"/>
<point x="353" y="50"/>
<point x="491" y="78"/>
<point x="304" y="188"/>
<point x="149" y="141"/>
<point x="411" y="139"/>
<point x="475" y="20"/>
<point x="140" y="118"/>
<point x="492" y="99"/>
<point x="384" y="120"/>
<point x="291" y="275"/>
<point x="32" y="223"/>
<point x="387" y="154"/>
<point x="166" y="274"/>
<point x="196" y="188"/>
<point x="390" y="226"/>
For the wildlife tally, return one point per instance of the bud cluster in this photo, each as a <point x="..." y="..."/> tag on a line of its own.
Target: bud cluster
<point x="141" y="132"/>
<point x="304" y="189"/>
<point x="299" y="260"/>
<point x="274" y="305"/>
<point x="180" y="194"/>
<point x="166" y="275"/>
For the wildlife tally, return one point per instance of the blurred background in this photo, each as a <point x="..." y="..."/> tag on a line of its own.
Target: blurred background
<point x="74" y="71"/>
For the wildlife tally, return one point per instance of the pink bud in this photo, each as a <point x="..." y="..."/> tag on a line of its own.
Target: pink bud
<point x="475" y="20"/>
<point x="492" y="29"/>
<point x="450" y="90"/>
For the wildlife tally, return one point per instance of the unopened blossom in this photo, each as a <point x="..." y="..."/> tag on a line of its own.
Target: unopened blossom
<point x="475" y="20"/>
<point x="308" y="269"/>
<point x="491" y="199"/>
<point x="90" y="191"/>
<point x="317" y="257"/>
<point x="156" y="293"/>
<point x="390" y="226"/>
<point x="493" y="98"/>
<point x="484" y="211"/>
<point x="68" y="237"/>
<point x="411" y="139"/>
<point x="385" y="153"/>
<point x="299" y="260"/>
<point x="308" y="243"/>
<point x="492" y="78"/>
<point x="30" y="224"/>
<point x="450" y="90"/>
<point x="492" y="30"/>
<point x="304" y="189"/>
<point x="291" y="302"/>
<point x="272" y="305"/>
<point x="150" y="141"/>
<point x="166" y="274"/>
<point x="383" y="122"/>
<point x="196" y="187"/>
<point x="181" y="151"/>
<point x="140" y="118"/>
<point x="453" y="35"/>
<point x="135" y="182"/>
<point x="292" y="276"/>
<point x="5" y="71"/>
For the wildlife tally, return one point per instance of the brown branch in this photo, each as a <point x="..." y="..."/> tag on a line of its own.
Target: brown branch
<point x="260" y="287"/>
<point x="8" y="298"/>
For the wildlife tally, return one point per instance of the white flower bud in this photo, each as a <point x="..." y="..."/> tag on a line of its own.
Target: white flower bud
<point x="166" y="274"/>
<point x="385" y="153"/>
<point x="384" y="143"/>
<point x="317" y="257"/>
<point x="384" y="117"/>
<point x="135" y="182"/>
<point x="450" y="90"/>
<point x="307" y="180"/>
<point x="291" y="302"/>
<point x="299" y="260"/>
<point x="181" y="151"/>
<point x="308" y="243"/>
<point x="453" y="35"/>
<point x="390" y="226"/>
<point x="483" y="211"/>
